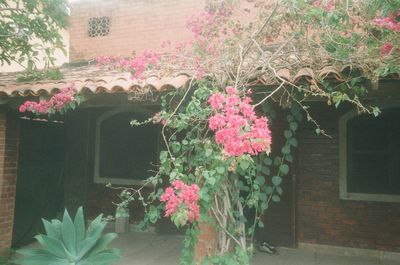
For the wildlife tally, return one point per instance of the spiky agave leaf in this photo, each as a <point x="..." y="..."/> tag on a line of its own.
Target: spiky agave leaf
<point x="53" y="229"/>
<point x="104" y="257"/>
<point x="68" y="243"/>
<point x="68" y="233"/>
<point x="38" y="257"/>
<point x="79" y="223"/>
<point x="51" y="245"/>
<point x="96" y="227"/>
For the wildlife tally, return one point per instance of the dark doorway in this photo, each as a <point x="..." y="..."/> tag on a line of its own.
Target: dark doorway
<point x="39" y="178"/>
<point x="279" y="218"/>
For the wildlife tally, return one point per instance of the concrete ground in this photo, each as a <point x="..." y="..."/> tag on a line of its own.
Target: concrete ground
<point x="155" y="249"/>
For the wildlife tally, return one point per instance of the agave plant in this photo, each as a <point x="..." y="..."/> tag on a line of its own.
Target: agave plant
<point x="68" y="243"/>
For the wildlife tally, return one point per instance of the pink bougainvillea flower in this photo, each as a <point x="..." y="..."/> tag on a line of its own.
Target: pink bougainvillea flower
<point x="216" y="101"/>
<point x="182" y="197"/>
<point x="230" y="90"/>
<point x="236" y="125"/>
<point x="386" y="48"/>
<point x="136" y="65"/>
<point x="328" y="6"/>
<point x="389" y="22"/>
<point x="55" y="103"/>
<point x="217" y="121"/>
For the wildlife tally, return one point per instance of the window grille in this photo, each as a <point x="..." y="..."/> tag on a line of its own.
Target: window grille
<point x="99" y="26"/>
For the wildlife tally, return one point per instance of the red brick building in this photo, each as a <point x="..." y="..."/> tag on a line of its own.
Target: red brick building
<point x="329" y="202"/>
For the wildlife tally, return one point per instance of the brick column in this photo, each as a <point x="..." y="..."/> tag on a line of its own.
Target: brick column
<point x="207" y="242"/>
<point x="9" y="136"/>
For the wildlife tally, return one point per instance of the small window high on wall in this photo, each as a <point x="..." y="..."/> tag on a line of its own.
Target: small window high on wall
<point x="125" y="154"/>
<point x="99" y="26"/>
<point x="370" y="156"/>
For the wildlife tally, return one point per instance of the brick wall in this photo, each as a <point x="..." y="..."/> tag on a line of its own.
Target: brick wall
<point x="8" y="176"/>
<point x="322" y="217"/>
<point x="135" y="25"/>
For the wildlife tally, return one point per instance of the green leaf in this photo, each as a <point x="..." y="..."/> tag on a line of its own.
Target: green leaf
<point x="176" y="147"/>
<point x="96" y="227"/>
<point x="79" y="224"/>
<point x="276" y="180"/>
<point x="244" y="164"/>
<point x="211" y="181"/>
<point x="264" y="206"/>
<point x="293" y="126"/>
<point x="263" y="197"/>
<point x="299" y="117"/>
<point x="208" y="152"/>
<point x="260" y="224"/>
<point x="288" y="134"/>
<point x="277" y="161"/>
<point x="220" y="170"/>
<point x="260" y="180"/>
<point x="173" y="174"/>
<point x="266" y="170"/>
<point x="85" y="246"/>
<point x="289" y="158"/>
<point x="102" y="243"/>
<point x="52" y="229"/>
<point x="276" y="198"/>
<point x="268" y="161"/>
<point x="154" y="214"/>
<point x="269" y="190"/>
<point x="38" y="257"/>
<point x="68" y="233"/>
<point x="163" y="156"/>
<point x="293" y="142"/>
<point x="103" y="258"/>
<point x="53" y="246"/>
<point x="376" y="111"/>
<point x="286" y="149"/>
<point x="284" y="169"/>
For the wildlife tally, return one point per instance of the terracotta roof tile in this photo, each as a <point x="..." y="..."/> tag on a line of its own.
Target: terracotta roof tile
<point x="101" y="80"/>
<point x="89" y="79"/>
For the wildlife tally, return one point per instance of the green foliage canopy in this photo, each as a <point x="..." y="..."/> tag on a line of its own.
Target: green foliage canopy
<point x="30" y="26"/>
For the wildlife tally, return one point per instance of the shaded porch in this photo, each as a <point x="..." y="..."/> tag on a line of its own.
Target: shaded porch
<point x="146" y="248"/>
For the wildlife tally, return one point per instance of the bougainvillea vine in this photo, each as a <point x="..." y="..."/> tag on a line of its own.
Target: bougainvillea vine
<point x="236" y="125"/>
<point x="61" y="100"/>
<point x="181" y="202"/>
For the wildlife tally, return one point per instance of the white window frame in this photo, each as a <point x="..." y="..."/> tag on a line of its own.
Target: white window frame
<point x="344" y="194"/>
<point x="97" y="147"/>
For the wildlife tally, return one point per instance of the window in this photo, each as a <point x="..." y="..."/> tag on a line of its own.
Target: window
<point x="125" y="154"/>
<point x="370" y="156"/>
<point x="99" y="26"/>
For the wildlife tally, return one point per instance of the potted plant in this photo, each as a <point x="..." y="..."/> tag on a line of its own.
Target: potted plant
<point x="122" y="213"/>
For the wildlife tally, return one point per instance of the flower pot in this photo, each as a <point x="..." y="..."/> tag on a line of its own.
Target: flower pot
<point x="121" y="225"/>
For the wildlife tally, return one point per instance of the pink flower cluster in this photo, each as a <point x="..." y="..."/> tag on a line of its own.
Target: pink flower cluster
<point x="237" y="127"/>
<point x="136" y="65"/>
<point x="182" y="197"/>
<point x="328" y="6"/>
<point x="206" y="24"/>
<point x="55" y="103"/>
<point x="389" y="22"/>
<point x="386" y="48"/>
